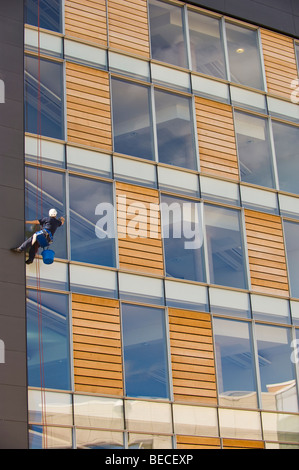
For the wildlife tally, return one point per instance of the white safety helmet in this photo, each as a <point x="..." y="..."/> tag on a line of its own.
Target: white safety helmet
<point x="52" y="213"/>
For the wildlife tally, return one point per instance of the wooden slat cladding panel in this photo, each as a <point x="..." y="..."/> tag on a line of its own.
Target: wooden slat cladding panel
<point x="192" y="356"/>
<point x="128" y="26"/>
<point x="86" y="19"/>
<point x="242" y="444"/>
<point x="267" y="259"/>
<point x="280" y="62"/>
<point x="216" y="138"/>
<point x="139" y="229"/>
<point x="88" y="106"/>
<point x="197" y="442"/>
<point x="97" y="345"/>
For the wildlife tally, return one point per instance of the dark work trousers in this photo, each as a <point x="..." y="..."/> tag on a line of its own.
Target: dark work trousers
<point x="33" y="248"/>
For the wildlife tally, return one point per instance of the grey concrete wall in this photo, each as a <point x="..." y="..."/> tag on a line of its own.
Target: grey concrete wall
<point x="279" y="15"/>
<point x="13" y="361"/>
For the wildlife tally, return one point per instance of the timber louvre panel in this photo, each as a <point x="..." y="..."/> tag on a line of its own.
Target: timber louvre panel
<point x="280" y="62"/>
<point x="139" y="229"/>
<point x="128" y="26"/>
<point x="192" y="356"/>
<point x="197" y="442"/>
<point x="266" y="253"/>
<point x="88" y="106"/>
<point x="216" y="138"/>
<point x="242" y="444"/>
<point x="86" y="19"/>
<point x="97" y="345"/>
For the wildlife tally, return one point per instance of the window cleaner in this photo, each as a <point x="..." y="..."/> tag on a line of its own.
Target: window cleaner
<point x="43" y="237"/>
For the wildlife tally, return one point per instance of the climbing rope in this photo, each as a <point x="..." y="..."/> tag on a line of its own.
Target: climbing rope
<point x="39" y="210"/>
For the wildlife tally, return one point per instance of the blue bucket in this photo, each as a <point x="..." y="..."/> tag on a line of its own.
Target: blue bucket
<point x="48" y="256"/>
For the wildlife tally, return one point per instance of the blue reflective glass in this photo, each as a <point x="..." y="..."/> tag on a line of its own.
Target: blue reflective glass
<point x="291" y="232"/>
<point x="54" y="437"/>
<point x="277" y="373"/>
<point x="46" y="190"/>
<point x="49" y="14"/>
<point x="244" y="56"/>
<point x="175" y="130"/>
<point x="225" y="247"/>
<point x="286" y="142"/>
<point x="206" y="45"/>
<point x="145" y="352"/>
<point x="132" y="123"/>
<point x="92" y="221"/>
<point x="48" y="340"/>
<point x="254" y="150"/>
<point x="44" y="110"/>
<point x="167" y="35"/>
<point x="183" y="239"/>
<point x="235" y="364"/>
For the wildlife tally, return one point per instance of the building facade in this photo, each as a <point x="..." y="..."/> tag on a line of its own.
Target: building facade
<point x="166" y="133"/>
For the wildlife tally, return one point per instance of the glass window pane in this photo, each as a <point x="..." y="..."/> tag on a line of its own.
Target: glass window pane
<point x="183" y="239"/>
<point x="254" y="149"/>
<point x="235" y="364"/>
<point x="149" y="441"/>
<point x="240" y="424"/>
<point x="167" y="33"/>
<point x="270" y="309"/>
<point x="244" y="56"/>
<point x="289" y="206"/>
<point x="92" y="226"/>
<point x="46" y="190"/>
<point x="54" y="358"/>
<point x="189" y="296"/>
<point x="229" y="302"/>
<point x="85" y="54"/>
<point x="132" y="123"/>
<point x="129" y="66"/>
<point x="286" y="142"/>
<point x="291" y="233"/>
<point x="225" y="246"/>
<point x="41" y="150"/>
<point x="277" y="374"/>
<point x="259" y="199"/>
<point x="98" y="412"/>
<point x="89" y="161"/>
<point x="220" y="191"/>
<point x="44" y="110"/>
<point x="295" y="313"/>
<point x="48" y="276"/>
<point x="148" y="416"/>
<point x="248" y="99"/>
<point x="43" y="43"/>
<point x="142" y="289"/>
<point x="175" y="132"/>
<point x="145" y="355"/>
<point x="295" y="351"/>
<point x="92" y="280"/>
<point x="178" y="181"/>
<point x="49" y="14"/>
<point x="50" y="407"/>
<point x="195" y="420"/>
<point x="96" y="439"/>
<point x="134" y="171"/>
<point x="50" y="437"/>
<point x="206" y="45"/>
<point x="280" y="427"/>
<point x="173" y="78"/>
<point x="210" y="88"/>
<point x="283" y="109"/>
